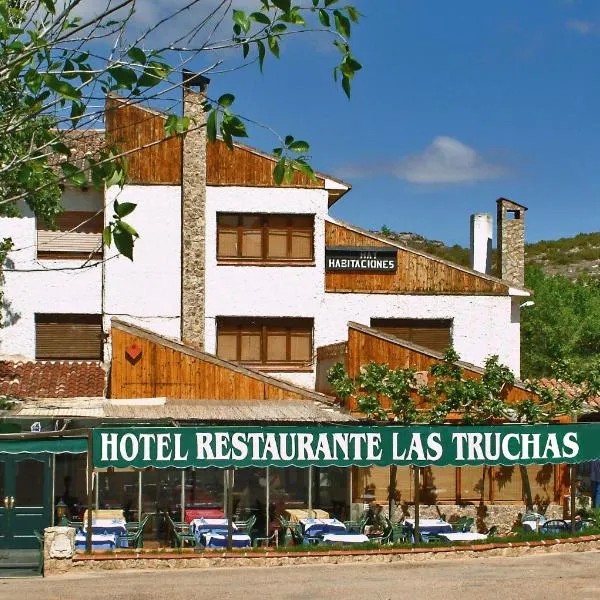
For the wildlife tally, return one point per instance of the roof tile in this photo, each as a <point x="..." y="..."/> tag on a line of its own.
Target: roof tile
<point x="52" y="379"/>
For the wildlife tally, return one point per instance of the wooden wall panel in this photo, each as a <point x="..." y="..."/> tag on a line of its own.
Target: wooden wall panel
<point x="161" y="371"/>
<point x="416" y="274"/>
<point x="244" y="167"/>
<point x="131" y="127"/>
<point x="364" y="348"/>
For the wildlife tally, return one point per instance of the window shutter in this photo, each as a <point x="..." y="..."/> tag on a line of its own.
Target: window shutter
<point x="76" y="231"/>
<point x="433" y="334"/>
<point x="68" y="337"/>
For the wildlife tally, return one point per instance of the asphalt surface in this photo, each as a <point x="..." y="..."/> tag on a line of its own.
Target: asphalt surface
<point x="553" y="576"/>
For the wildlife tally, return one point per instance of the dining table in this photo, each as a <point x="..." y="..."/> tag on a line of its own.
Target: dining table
<point x="100" y="541"/>
<point x="345" y="538"/>
<point x="102" y="530"/>
<point x="320" y="527"/>
<point x="198" y="513"/>
<point x="430" y="526"/>
<point x="463" y="536"/>
<point x="295" y="515"/>
<point x="212" y="524"/>
<point x="210" y="539"/>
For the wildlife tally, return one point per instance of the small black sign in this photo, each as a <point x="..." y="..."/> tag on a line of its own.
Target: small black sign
<point x="371" y="259"/>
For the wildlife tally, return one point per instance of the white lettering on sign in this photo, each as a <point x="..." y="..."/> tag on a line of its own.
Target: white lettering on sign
<point x="129" y="447"/>
<point x="108" y="441"/>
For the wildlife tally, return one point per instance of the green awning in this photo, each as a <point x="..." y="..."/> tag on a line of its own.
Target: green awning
<point x="53" y="445"/>
<point x="342" y="446"/>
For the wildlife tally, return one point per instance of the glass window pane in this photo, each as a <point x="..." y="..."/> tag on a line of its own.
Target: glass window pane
<point x="302" y="244"/>
<point x="250" y="343"/>
<point x="70" y="474"/>
<point x="227" y="220"/>
<point x="277" y="243"/>
<point x="204" y="489"/>
<point x="228" y="244"/>
<point x="252" y="244"/>
<point x="252" y="221"/>
<point x="276" y="346"/>
<point x="301" y="347"/>
<point x="29" y="485"/>
<point x="2" y="468"/>
<point x="119" y="490"/>
<point x="227" y="345"/>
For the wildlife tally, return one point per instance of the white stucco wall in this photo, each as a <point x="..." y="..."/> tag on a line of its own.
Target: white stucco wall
<point x="482" y="325"/>
<point x="44" y="286"/>
<point x="147" y="290"/>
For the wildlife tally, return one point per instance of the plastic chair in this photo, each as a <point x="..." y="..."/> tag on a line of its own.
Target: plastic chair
<point x="463" y="525"/>
<point x="135" y="537"/>
<point x="246" y="526"/>
<point x="402" y="533"/>
<point x="554" y="526"/>
<point x="40" y="538"/>
<point x="492" y="531"/>
<point x="272" y="538"/>
<point x="428" y="538"/>
<point x="179" y="535"/>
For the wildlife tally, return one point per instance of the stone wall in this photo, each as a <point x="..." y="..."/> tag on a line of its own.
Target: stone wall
<point x="59" y="549"/>
<point x="510" y="221"/>
<point x="193" y="226"/>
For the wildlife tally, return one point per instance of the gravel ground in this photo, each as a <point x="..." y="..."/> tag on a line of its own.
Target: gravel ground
<point x="555" y="576"/>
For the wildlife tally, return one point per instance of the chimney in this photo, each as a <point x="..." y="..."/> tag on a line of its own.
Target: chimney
<point x="510" y="221"/>
<point x="193" y="211"/>
<point x="481" y="242"/>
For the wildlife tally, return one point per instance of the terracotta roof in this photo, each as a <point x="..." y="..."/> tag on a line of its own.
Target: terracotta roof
<point x="52" y="379"/>
<point x="570" y="390"/>
<point x="82" y="143"/>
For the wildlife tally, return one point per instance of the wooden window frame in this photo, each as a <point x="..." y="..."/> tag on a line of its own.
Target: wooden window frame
<point x="290" y="325"/>
<point x="265" y="260"/>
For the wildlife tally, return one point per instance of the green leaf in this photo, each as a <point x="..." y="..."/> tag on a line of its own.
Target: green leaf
<point x="274" y="45"/>
<point x="50" y="7"/>
<point x="226" y="100"/>
<point x="260" y="18"/>
<point x="289" y="173"/>
<point x="123" y="242"/>
<point x="324" y="18"/>
<point x="330" y="2"/>
<point x="245" y="49"/>
<point x="283" y="5"/>
<point x="279" y="171"/>
<point x="288" y="139"/>
<point x="62" y="88"/>
<point x="342" y="23"/>
<point x="235" y="126"/>
<point x="346" y="85"/>
<point x="61" y="148"/>
<point x="277" y="152"/>
<point x="261" y="53"/>
<point x="124" y="76"/>
<point x="299" y="146"/>
<point x="107" y="236"/>
<point x="279" y="28"/>
<point x="353" y="13"/>
<point x="241" y="19"/>
<point x="77" y="111"/>
<point x="74" y="174"/>
<point x="122" y="210"/>
<point x="211" y="125"/>
<point x="137" y="55"/>
<point x="68" y="71"/>
<point x="127" y="228"/>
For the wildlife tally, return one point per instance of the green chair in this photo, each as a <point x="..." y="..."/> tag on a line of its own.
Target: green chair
<point x="386" y="537"/>
<point x="299" y="538"/>
<point x="492" y="531"/>
<point x="401" y="533"/>
<point x="463" y="525"/>
<point x="40" y="538"/>
<point x="179" y="535"/>
<point x="246" y="526"/>
<point x="429" y="538"/>
<point x="353" y="526"/>
<point x="135" y="537"/>
<point x="285" y="532"/>
<point x="257" y="542"/>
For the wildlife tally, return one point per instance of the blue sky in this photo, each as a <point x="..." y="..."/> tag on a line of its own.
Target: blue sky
<point x="458" y="103"/>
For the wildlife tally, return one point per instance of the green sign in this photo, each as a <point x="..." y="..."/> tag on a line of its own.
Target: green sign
<point x="344" y="446"/>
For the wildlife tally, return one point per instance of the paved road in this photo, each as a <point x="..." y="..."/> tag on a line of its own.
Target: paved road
<point x="555" y="576"/>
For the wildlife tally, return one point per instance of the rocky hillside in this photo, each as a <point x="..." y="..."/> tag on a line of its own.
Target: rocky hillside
<point x="570" y="256"/>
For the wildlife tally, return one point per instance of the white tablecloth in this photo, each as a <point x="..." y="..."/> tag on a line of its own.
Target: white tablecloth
<point x="210" y="524"/>
<point x="322" y="526"/>
<point x="466" y="536"/>
<point x="431" y="525"/>
<point x="217" y="540"/>
<point x="345" y="538"/>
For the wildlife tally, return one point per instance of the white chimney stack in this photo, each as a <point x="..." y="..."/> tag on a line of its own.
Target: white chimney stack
<point x="481" y="242"/>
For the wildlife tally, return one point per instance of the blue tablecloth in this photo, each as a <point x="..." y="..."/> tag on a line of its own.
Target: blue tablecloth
<point x="319" y="527"/>
<point x="100" y="541"/>
<point x="218" y="540"/>
<point x="104" y="527"/>
<point x="430" y="526"/>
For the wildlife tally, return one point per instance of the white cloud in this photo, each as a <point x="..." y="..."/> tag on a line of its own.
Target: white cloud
<point x="581" y="27"/>
<point x="445" y="160"/>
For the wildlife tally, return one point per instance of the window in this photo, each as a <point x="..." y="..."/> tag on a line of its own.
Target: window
<point x="77" y="234"/>
<point x="69" y="337"/>
<point x="265" y="238"/>
<point x="265" y="342"/>
<point x="429" y="333"/>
